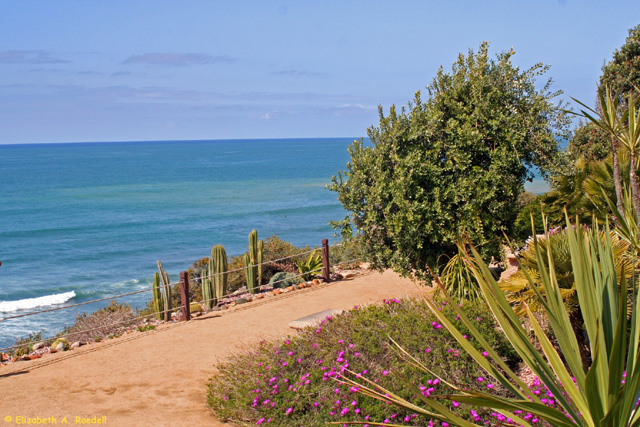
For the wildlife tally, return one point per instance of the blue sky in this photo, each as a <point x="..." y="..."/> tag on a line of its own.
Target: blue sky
<point x="163" y="70"/>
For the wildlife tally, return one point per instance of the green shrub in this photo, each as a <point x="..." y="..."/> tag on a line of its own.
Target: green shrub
<point x="348" y="254"/>
<point x="25" y="345"/>
<point x="195" y="307"/>
<point x="310" y="267"/>
<point x="522" y="224"/>
<point x="293" y="382"/>
<point x="284" y="280"/>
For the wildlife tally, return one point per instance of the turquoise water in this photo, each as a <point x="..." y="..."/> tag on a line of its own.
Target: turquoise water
<point x="93" y="218"/>
<point x="80" y="222"/>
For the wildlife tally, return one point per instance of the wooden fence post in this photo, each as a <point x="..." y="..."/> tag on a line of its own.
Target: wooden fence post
<point x="184" y="296"/>
<point x="325" y="260"/>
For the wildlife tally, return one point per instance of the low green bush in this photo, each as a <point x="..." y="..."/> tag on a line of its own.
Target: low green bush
<point x="25" y="345"/>
<point x="296" y="381"/>
<point x="348" y="254"/>
<point x="284" y="280"/>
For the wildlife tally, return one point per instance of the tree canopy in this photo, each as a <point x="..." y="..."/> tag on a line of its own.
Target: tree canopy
<point x="451" y="165"/>
<point x="620" y="74"/>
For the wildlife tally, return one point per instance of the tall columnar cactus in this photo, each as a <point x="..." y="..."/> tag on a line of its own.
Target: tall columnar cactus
<point x="157" y="296"/>
<point x="219" y="257"/>
<point x="249" y="273"/>
<point x="207" y="285"/>
<point x="259" y="260"/>
<point x="254" y="256"/>
<point x="253" y="245"/>
<point x="166" y="291"/>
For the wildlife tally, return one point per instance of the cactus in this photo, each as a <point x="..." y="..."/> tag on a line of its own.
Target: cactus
<point x="207" y="286"/>
<point x="157" y="296"/>
<point x="253" y="245"/>
<point x="219" y="257"/>
<point x="259" y="260"/>
<point x="250" y="273"/>
<point x="166" y="292"/>
<point x="253" y="257"/>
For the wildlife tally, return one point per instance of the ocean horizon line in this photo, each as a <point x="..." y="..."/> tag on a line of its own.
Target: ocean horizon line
<point x="168" y="141"/>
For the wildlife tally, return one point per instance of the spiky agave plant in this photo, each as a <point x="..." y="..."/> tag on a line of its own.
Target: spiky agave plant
<point x="603" y="395"/>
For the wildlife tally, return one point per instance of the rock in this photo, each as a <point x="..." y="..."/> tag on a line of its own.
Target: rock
<point x="290" y="288"/>
<point x="4" y="357"/>
<point x="242" y="301"/>
<point x="302" y="286"/>
<point x="75" y="345"/>
<point x="25" y="357"/>
<point x="60" y="344"/>
<point x="34" y="356"/>
<point x="233" y="303"/>
<point x="316" y="282"/>
<point x="259" y="296"/>
<point x="242" y="290"/>
<point x="37" y="346"/>
<point x="276" y="291"/>
<point x="348" y="275"/>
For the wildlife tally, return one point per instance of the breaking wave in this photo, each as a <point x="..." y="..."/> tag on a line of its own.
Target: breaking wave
<point x="29" y="303"/>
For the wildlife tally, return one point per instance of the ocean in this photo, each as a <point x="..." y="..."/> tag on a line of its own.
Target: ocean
<point x="83" y="221"/>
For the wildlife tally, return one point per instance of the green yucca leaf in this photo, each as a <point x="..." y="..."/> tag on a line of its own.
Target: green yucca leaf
<point x="602" y="396"/>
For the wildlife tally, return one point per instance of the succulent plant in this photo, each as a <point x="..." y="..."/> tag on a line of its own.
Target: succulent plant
<point x="207" y="285"/>
<point x="250" y="273"/>
<point x="253" y="272"/>
<point x="166" y="292"/>
<point x="157" y="296"/>
<point x="259" y="260"/>
<point x="219" y="257"/>
<point x="284" y="280"/>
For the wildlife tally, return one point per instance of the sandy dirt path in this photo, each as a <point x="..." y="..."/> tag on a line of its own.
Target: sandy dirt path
<point x="159" y="377"/>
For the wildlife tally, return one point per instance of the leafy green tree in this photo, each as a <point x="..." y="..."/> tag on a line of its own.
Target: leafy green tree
<point x="453" y="164"/>
<point x="589" y="142"/>
<point x="622" y="73"/>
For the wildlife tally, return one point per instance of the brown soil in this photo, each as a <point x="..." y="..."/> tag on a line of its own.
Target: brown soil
<point x="159" y="377"/>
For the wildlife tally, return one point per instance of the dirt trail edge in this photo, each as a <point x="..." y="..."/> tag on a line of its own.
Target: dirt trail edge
<point x="159" y="377"/>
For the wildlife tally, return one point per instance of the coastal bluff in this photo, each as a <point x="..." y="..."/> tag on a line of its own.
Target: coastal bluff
<point x="159" y="377"/>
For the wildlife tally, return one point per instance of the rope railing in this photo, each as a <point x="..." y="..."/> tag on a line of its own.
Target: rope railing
<point x="146" y="316"/>
<point x="266" y="262"/>
<point x="272" y="283"/>
<point x="31" y="313"/>
<point x="55" y="337"/>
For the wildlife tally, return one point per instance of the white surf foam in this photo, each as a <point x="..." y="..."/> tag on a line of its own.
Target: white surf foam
<point x="29" y="303"/>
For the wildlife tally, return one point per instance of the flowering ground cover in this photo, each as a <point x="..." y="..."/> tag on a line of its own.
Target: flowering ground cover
<point x="297" y="381"/>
